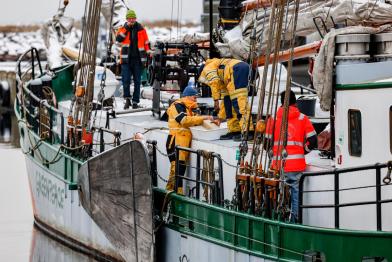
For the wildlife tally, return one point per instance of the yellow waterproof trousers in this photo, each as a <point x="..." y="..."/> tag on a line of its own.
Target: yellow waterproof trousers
<point x="226" y="111"/>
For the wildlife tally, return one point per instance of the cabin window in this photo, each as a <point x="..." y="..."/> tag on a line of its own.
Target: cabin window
<point x="354" y="132"/>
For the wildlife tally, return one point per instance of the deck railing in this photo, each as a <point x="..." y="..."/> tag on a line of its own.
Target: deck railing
<point x="40" y="115"/>
<point x="216" y="186"/>
<point x="337" y="205"/>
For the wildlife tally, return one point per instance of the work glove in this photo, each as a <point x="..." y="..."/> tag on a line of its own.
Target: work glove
<point x="216" y="106"/>
<point x="210" y="118"/>
<point x="217" y="121"/>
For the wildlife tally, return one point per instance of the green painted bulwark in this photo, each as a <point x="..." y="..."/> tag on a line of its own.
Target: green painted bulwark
<point x="62" y="166"/>
<point x="62" y="82"/>
<point x="48" y="155"/>
<point x="373" y="85"/>
<point x="268" y="238"/>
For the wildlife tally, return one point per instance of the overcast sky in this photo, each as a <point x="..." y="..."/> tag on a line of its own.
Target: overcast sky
<point x="34" y="11"/>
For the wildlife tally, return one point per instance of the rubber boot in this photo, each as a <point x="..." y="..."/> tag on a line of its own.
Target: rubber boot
<point x="229" y="135"/>
<point x="127" y="103"/>
<point x="181" y="172"/>
<point x="171" y="180"/>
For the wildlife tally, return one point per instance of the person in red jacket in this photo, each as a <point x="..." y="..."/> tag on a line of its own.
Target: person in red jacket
<point x="301" y="139"/>
<point x="133" y="56"/>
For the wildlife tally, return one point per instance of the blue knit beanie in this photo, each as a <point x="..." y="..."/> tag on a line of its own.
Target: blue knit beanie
<point x="189" y="91"/>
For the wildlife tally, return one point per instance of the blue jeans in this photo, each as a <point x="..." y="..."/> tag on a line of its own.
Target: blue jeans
<point x="292" y="179"/>
<point x="134" y="69"/>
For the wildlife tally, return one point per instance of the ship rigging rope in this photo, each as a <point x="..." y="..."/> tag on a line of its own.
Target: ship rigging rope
<point x="271" y="28"/>
<point x="273" y="88"/>
<point x="166" y="202"/>
<point x="178" y="16"/>
<point x="75" y="84"/>
<point x="278" y="17"/>
<point x="178" y="19"/>
<point x="278" y="24"/>
<point x="186" y="225"/>
<point x="171" y="20"/>
<point x="251" y="80"/>
<point x="255" y="90"/>
<point x="282" y="142"/>
<point x="208" y="173"/>
<point x="101" y="94"/>
<point x="37" y="145"/>
<point x="162" y="178"/>
<point x="86" y="60"/>
<point x="275" y="28"/>
<point x="218" y="156"/>
<point x="272" y="106"/>
<point x="343" y="189"/>
<point x="35" y="148"/>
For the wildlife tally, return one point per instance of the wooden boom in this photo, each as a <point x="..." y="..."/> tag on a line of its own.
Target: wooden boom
<point x="299" y="52"/>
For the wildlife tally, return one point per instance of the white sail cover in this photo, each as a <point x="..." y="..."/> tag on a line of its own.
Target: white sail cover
<point x="119" y="12"/>
<point x="344" y="12"/>
<point x="323" y="65"/>
<point x="56" y="31"/>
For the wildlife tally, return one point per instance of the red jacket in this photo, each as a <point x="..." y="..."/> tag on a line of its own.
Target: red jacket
<point x="124" y="37"/>
<point x="299" y="130"/>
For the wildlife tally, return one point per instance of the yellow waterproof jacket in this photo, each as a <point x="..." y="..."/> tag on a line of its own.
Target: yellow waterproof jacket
<point x="217" y="74"/>
<point x="181" y="117"/>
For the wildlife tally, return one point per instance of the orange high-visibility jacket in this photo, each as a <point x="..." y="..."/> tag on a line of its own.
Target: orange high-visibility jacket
<point x="299" y="130"/>
<point x="124" y="37"/>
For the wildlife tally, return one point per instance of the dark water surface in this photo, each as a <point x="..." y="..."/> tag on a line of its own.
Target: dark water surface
<point x="19" y="240"/>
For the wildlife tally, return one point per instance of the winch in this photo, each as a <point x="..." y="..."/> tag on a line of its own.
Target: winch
<point x="172" y="62"/>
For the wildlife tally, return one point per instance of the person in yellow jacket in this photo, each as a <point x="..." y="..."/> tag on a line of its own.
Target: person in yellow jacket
<point x="226" y="111"/>
<point x="181" y="117"/>
<point x="230" y="76"/>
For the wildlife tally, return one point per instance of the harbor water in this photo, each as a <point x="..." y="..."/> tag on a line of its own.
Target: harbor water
<point x="20" y="241"/>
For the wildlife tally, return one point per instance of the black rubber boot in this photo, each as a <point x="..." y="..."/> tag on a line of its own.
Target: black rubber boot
<point x="229" y="135"/>
<point x="238" y="138"/>
<point x="127" y="103"/>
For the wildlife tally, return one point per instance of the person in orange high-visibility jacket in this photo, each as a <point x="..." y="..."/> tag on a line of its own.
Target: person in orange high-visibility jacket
<point x="231" y="76"/>
<point x="135" y="47"/>
<point x="180" y="118"/>
<point x="301" y="139"/>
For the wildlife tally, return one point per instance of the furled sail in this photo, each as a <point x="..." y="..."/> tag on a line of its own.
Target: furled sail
<point x="345" y="12"/>
<point x="56" y="30"/>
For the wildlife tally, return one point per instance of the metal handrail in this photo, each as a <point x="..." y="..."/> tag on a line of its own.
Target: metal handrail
<point x="21" y="59"/>
<point x="217" y="187"/>
<point x="337" y="205"/>
<point x="116" y="134"/>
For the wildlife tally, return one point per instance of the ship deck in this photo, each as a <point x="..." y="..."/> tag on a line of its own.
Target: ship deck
<point x="154" y="129"/>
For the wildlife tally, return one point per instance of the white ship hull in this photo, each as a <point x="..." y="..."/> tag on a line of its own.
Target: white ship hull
<point x="57" y="210"/>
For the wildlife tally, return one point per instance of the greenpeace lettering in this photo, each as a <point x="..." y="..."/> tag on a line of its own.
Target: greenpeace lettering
<point x="48" y="190"/>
